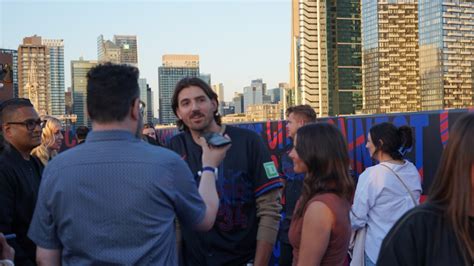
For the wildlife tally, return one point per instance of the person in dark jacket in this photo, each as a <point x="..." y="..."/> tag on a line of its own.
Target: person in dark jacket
<point x="81" y="134"/>
<point x="20" y="174"/>
<point x="441" y="231"/>
<point x="298" y="116"/>
<point x="149" y="134"/>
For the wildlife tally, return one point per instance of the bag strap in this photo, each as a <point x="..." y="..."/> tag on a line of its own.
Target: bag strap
<point x="403" y="183"/>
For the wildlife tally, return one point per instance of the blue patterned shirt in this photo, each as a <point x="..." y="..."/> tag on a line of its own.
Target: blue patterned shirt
<point x="113" y="200"/>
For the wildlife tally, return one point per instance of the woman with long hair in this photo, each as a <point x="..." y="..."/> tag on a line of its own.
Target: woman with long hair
<point x="387" y="190"/>
<point x="320" y="228"/>
<point x="51" y="140"/>
<point x="440" y="231"/>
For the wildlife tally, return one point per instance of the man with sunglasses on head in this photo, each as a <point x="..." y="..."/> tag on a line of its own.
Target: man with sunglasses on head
<point x="20" y="174"/>
<point x="113" y="199"/>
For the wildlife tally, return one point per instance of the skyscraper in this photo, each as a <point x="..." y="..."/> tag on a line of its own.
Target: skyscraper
<point x="175" y="67"/>
<point x="79" y="69"/>
<point x="206" y="78"/>
<point x="219" y="90"/>
<point x="275" y="95"/>
<point x="293" y="93"/>
<point x="128" y="49"/>
<point x="149" y="104"/>
<point x="446" y="53"/>
<point x="68" y="102"/>
<point x="107" y="51"/>
<point x="33" y="73"/>
<point x="325" y="68"/>
<point x="14" y="54"/>
<point x="143" y="94"/>
<point x="390" y="49"/>
<point x="238" y="103"/>
<point x="56" y="75"/>
<point x="255" y="94"/>
<point x="122" y="50"/>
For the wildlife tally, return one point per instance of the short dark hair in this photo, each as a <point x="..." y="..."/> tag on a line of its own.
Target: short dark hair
<point x="111" y="90"/>
<point x="186" y="83"/>
<point x="392" y="140"/>
<point x="8" y="107"/>
<point x="306" y="112"/>
<point x="81" y="132"/>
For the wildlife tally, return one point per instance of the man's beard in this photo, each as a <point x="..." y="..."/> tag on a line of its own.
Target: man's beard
<point x="204" y="126"/>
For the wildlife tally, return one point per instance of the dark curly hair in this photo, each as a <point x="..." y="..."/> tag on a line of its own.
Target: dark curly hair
<point x="186" y="83"/>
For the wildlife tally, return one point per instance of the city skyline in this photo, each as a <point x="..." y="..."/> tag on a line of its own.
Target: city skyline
<point x="236" y="41"/>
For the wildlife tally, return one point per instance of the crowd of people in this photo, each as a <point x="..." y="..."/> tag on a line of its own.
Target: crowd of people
<point x="121" y="197"/>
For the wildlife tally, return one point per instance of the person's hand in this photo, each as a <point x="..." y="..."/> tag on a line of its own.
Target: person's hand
<point x="212" y="156"/>
<point x="6" y="252"/>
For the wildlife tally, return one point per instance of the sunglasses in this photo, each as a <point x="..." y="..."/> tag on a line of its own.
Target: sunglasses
<point x="30" y="124"/>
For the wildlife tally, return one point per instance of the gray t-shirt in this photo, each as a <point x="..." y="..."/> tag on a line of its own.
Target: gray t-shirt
<point x="113" y="200"/>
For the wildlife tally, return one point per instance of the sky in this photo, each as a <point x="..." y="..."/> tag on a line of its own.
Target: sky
<point x="237" y="41"/>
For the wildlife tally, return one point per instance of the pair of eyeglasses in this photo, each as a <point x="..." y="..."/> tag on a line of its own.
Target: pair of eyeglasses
<point x="30" y="124"/>
<point x="142" y="106"/>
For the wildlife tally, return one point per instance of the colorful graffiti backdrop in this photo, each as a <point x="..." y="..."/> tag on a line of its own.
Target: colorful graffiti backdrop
<point x="431" y="133"/>
<point x="430" y="129"/>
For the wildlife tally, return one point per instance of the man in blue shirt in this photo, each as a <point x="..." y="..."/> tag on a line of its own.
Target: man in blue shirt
<point x="113" y="199"/>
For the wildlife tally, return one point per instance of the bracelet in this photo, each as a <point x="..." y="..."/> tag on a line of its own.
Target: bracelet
<point x="6" y="263"/>
<point x="210" y="169"/>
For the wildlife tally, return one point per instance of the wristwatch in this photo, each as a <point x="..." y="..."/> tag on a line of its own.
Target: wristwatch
<point x="210" y="169"/>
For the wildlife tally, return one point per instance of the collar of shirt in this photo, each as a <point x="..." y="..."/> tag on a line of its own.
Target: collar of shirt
<point x="108" y="135"/>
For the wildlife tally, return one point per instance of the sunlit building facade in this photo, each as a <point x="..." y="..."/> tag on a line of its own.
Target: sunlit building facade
<point x="128" y="49"/>
<point x="33" y="73"/>
<point x="79" y="69"/>
<point x="56" y="75"/>
<point x="174" y="68"/>
<point x="325" y="66"/>
<point x="263" y="112"/>
<point x="390" y="56"/>
<point x="446" y="53"/>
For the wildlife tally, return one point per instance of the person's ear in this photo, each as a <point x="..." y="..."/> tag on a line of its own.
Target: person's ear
<point x="6" y="130"/>
<point x="135" y="112"/>
<point x="301" y="122"/>
<point x="214" y="104"/>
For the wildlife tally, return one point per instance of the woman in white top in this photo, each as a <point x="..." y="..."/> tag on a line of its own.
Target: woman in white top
<point x="380" y="197"/>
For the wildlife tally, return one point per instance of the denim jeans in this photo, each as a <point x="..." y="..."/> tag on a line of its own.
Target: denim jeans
<point x="368" y="262"/>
